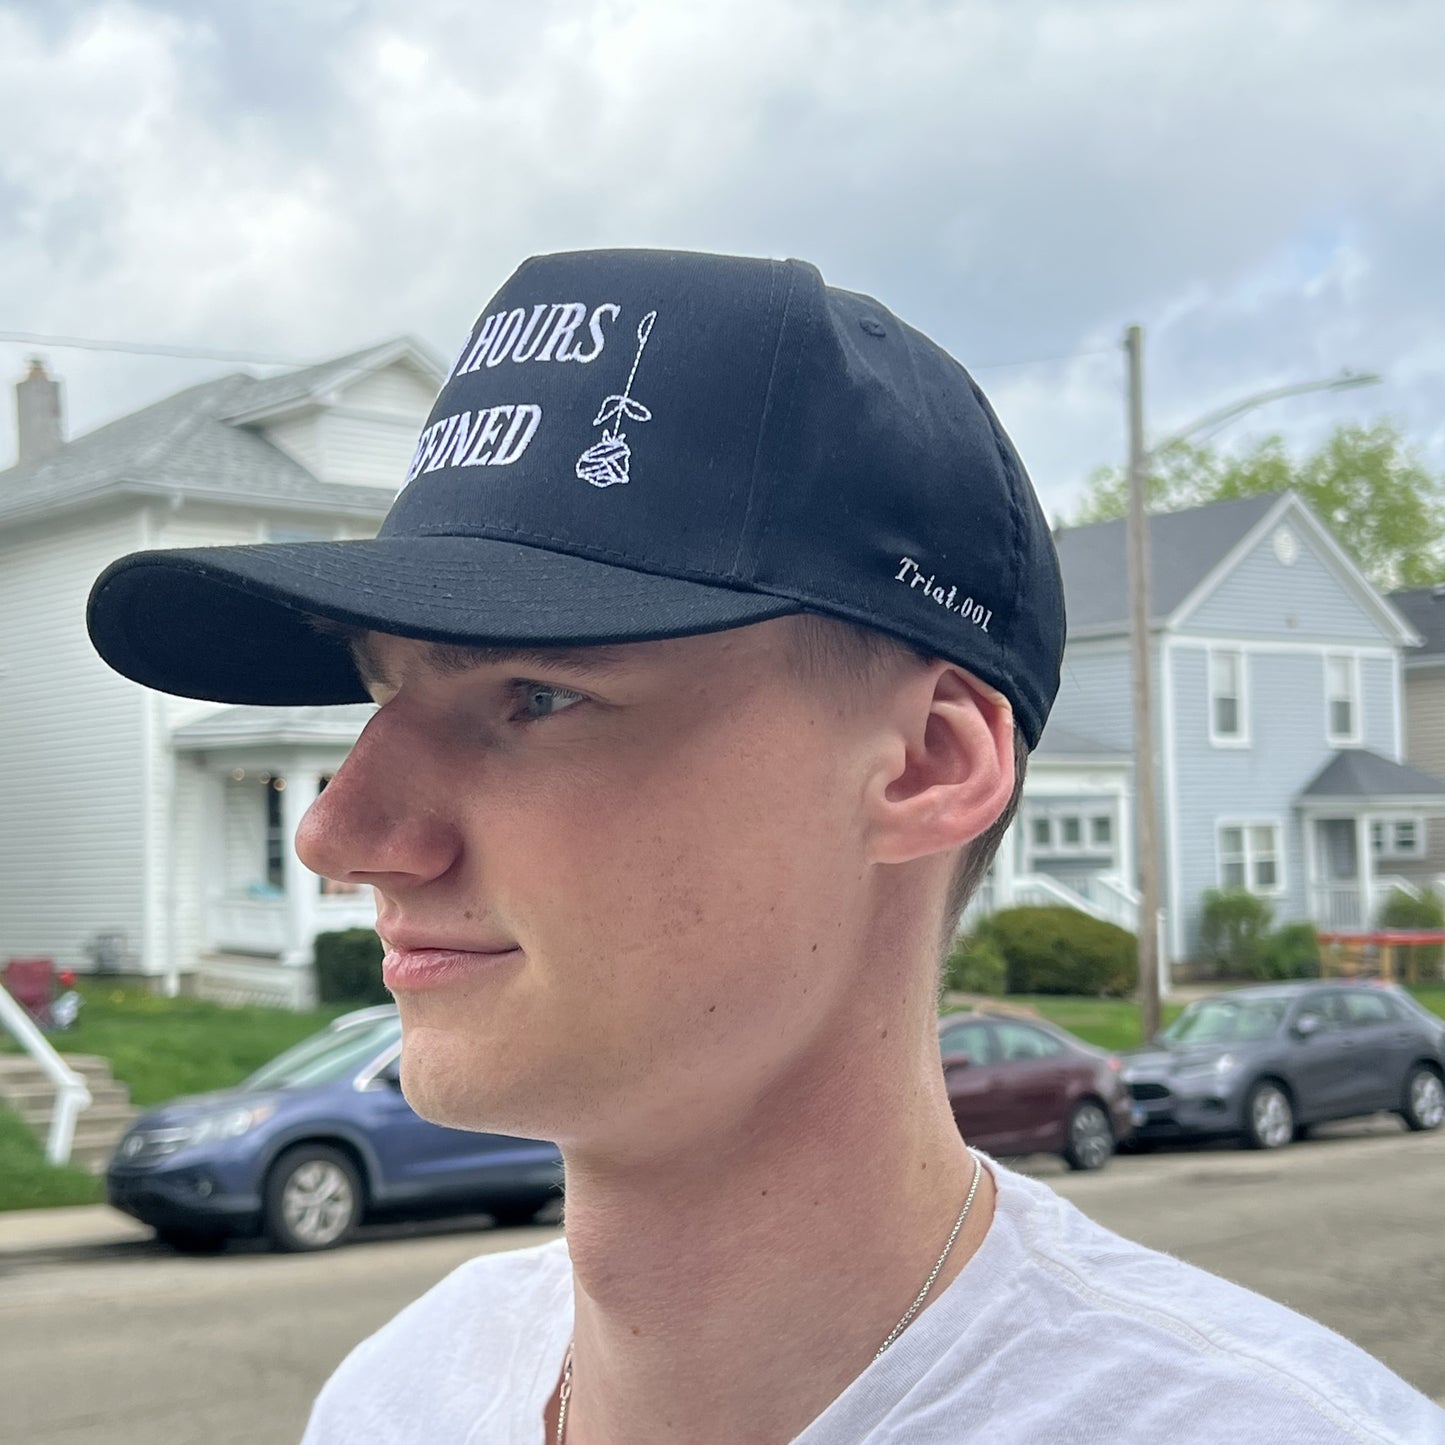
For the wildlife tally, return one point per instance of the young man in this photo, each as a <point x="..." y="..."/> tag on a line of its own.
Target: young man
<point x="707" y="636"/>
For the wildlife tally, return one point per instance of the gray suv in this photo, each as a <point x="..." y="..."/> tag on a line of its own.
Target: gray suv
<point x="1266" y="1063"/>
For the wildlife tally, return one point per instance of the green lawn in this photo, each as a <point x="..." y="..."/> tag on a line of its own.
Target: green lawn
<point x="28" y="1182"/>
<point x="1432" y="995"/>
<point x="1107" y="1023"/>
<point x="163" y="1047"/>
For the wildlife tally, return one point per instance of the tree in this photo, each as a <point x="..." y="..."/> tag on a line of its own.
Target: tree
<point x="1365" y="483"/>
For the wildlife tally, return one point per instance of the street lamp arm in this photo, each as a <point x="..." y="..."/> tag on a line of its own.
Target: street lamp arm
<point x="1344" y="382"/>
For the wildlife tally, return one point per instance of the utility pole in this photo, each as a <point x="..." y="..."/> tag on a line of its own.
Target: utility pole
<point x="1145" y="814"/>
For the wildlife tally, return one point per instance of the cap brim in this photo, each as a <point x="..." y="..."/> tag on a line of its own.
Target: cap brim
<point x="230" y="624"/>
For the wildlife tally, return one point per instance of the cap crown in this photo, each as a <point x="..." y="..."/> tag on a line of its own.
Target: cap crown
<point x="735" y="422"/>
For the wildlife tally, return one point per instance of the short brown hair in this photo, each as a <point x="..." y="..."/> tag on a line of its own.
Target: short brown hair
<point x="826" y="648"/>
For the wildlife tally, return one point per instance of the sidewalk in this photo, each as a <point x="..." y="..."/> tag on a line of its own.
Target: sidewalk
<point x="30" y="1231"/>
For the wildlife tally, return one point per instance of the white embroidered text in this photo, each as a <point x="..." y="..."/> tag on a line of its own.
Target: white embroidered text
<point x="494" y="436"/>
<point x="946" y="597"/>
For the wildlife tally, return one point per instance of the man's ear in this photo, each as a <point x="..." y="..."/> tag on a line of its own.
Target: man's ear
<point x="950" y="766"/>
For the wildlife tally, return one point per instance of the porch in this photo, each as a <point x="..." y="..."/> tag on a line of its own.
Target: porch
<point x="1072" y="842"/>
<point x="1364" y="820"/>
<point x="260" y="907"/>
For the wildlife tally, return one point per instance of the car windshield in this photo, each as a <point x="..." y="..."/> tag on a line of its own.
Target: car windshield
<point x="327" y="1056"/>
<point x="1226" y="1021"/>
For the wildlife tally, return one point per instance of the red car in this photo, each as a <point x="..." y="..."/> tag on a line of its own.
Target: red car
<point x="1022" y="1086"/>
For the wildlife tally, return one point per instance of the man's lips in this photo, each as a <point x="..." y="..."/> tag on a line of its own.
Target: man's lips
<point x="412" y="969"/>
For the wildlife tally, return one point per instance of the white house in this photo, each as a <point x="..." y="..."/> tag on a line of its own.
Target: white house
<point x="153" y="833"/>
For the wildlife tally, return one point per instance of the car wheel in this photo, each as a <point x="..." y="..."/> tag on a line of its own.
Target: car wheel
<point x="313" y="1198"/>
<point x="1268" y="1117"/>
<point x="1091" y="1137"/>
<point x="1424" y="1105"/>
<point x="193" y="1241"/>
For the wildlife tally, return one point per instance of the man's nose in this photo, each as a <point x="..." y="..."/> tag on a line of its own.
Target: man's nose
<point x="377" y="821"/>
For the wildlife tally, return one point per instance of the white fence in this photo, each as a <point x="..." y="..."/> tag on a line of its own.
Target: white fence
<point x="71" y="1095"/>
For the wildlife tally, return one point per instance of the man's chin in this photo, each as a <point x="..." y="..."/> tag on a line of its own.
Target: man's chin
<point x="451" y="1094"/>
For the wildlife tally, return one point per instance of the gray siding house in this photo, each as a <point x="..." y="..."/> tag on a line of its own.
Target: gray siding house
<point x="1416" y="845"/>
<point x="153" y="834"/>
<point x="1279" y="715"/>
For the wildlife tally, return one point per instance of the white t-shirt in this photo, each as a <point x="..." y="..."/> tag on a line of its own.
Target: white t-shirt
<point x="1055" y="1331"/>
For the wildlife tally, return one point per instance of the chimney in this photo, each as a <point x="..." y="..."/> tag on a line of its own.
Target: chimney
<point x="37" y="414"/>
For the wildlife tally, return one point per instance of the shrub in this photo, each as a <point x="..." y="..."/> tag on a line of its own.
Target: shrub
<point x="1232" y="932"/>
<point x="976" y="966"/>
<point x="1060" y="950"/>
<point x="1292" y="951"/>
<point x="1401" y="910"/>
<point x="348" y="967"/>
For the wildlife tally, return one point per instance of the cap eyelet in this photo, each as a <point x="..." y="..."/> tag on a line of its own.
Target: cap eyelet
<point x="872" y="327"/>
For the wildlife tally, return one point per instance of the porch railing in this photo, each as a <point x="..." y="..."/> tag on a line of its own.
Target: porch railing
<point x="1104" y="896"/>
<point x="1339" y="907"/>
<point x="71" y="1095"/>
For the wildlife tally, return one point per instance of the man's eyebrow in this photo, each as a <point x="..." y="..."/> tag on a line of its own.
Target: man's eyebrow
<point x="452" y="659"/>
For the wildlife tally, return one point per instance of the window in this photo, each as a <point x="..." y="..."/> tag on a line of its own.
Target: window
<point x="1363" y="1009"/>
<point x="971" y="1039"/>
<point x="1397" y="837"/>
<point x="1249" y="857"/>
<point x="1019" y="1043"/>
<point x="1342" y="698"/>
<point x="1226" y="699"/>
<point x="1070" y="830"/>
<point x="275" y="833"/>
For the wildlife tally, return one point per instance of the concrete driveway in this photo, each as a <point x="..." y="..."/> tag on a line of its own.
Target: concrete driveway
<point x="106" y="1339"/>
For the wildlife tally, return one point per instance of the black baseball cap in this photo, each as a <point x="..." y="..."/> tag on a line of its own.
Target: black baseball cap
<point x="635" y="445"/>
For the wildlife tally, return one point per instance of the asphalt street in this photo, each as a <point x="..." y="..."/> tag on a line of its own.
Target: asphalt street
<point x="122" y="1343"/>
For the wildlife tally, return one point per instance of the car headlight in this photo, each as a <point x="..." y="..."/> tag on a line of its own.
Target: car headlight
<point x="226" y="1124"/>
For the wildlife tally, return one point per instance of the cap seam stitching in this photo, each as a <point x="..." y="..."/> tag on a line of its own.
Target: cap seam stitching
<point x="719" y="565"/>
<point x="753" y="534"/>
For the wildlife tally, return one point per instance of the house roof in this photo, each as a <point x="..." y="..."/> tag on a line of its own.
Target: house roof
<point x="1190" y="552"/>
<point x="246" y="725"/>
<point x="1184" y="547"/>
<point x="1424" y="610"/>
<point x="191" y="442"/>
<point x="1061" y="744"/>
<point x="1360" y="774"/>
<point x="311" y="385"/>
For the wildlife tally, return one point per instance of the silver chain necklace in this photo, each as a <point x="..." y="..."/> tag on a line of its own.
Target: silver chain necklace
<point x="564" y="1394"/>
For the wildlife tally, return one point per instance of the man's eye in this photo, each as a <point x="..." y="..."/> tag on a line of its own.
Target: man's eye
<point x="540" y="699"/>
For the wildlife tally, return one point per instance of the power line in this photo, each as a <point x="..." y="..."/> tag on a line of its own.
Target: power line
<point x="1043" y="360"/>
<point x="145" y="348"/>
<point x="201" y="353"/>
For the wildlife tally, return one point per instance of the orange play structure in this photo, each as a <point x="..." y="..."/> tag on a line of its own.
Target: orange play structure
<point x="1388" y="953"/>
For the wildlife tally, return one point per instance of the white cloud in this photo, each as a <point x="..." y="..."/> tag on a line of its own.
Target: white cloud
<point x="1258" y="186"/>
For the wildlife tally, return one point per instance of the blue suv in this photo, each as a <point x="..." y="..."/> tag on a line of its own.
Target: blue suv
<point x="311" y="1144"/>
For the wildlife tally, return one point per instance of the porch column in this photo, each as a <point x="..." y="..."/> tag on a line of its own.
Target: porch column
<point x="1126" y="865"/>
<point x="1005" y="866"/>
<point x="1364" y="870"/>
<point x="302" y="889"/>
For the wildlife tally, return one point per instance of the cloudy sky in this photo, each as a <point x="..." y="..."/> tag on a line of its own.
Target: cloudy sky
<point x="1259" y="185"/>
